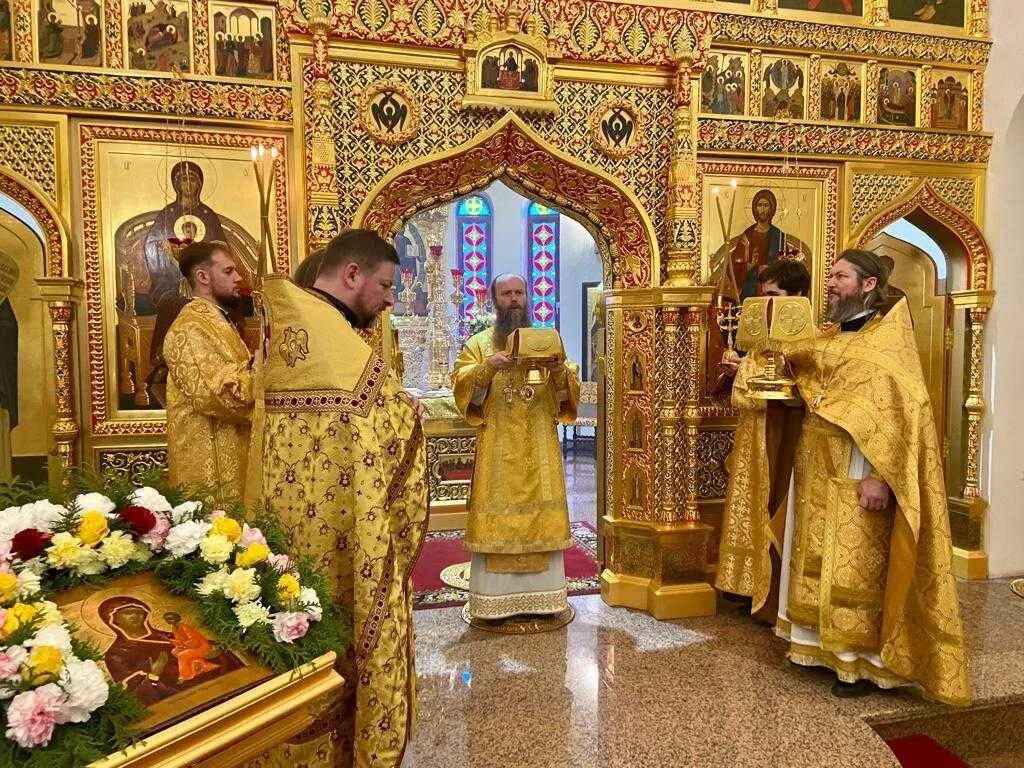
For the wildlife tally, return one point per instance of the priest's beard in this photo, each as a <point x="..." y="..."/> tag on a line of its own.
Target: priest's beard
<point x="506" y="322"/>
<point x="842" y="309"/>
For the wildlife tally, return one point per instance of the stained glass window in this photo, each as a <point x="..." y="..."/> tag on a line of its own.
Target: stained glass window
<point x="475" y="228"/>
<point x="542" y="268"/>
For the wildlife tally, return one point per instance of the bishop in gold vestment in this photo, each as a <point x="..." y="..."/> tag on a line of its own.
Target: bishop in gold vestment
<point x="518" y="519"/>
<point x="342" y="467"/>
<point x="209" y="383"/>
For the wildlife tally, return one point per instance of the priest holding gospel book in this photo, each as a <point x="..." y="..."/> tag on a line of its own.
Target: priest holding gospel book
<point x="867" y="588"/>
<point x="513" y="384"/>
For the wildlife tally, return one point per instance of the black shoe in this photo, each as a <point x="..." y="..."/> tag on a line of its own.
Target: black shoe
<point x="743" y="600"/>
<point x="844" y="690"/>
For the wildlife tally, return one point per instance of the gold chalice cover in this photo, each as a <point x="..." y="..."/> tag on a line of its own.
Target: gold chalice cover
<point x="532" y="348"/>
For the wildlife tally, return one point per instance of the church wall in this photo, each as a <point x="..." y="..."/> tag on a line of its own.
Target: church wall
<point x="1004" y="353"/>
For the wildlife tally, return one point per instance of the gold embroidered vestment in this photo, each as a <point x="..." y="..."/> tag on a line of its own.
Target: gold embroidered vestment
<point x="343" y="470"/>
<point x="209" y="399"/>
<point x="517" y="502"/>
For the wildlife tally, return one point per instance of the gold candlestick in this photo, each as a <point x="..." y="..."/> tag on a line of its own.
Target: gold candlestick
<point x="264" y="165"/>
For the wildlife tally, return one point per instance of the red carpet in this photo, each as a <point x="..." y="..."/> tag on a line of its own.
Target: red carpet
<point x="919" y="751"/>
<point x="444" y="548"/>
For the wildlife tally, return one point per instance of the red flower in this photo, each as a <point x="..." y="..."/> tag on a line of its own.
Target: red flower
<point x="139" y="518"/>
<point x="28" y="543"/>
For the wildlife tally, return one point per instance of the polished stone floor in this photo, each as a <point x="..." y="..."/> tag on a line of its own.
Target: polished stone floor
<point x="618" y="688"/>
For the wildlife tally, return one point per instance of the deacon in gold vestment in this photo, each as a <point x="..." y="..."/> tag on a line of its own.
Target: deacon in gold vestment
<point x="754" y="519"/>
<point x="342" y="467"/>
<point x="518" y="519"/>
<point x="209" y="383"/>
<point x="867" y="583"/>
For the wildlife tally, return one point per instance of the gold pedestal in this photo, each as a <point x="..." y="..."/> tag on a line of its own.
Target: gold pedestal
<point x="658" y="568"/>
<point x="236" y="730"/>
<point x="451" y="450"/>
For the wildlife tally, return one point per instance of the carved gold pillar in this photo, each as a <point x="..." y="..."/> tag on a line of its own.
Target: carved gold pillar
<point x="927" y="95"/>
<point x="61" y="294"/>
<point x="200" y="25"/>
<point x="970" y="560"/>
<point x="877" y="12"/>
<point x="871" y="93"/>
<point x="21" y="30"/>
<point x="682" y="260"/>
<point x="322" y="212"/>
<point x="767" y="7"/>
<point x="977" y="106"/>
<point x="814" y="89"/>
<point x="978" y="23"/>
<point x="754" y="108"/>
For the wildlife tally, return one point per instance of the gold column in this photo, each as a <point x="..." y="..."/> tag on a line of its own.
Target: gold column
<point x="756" y="95"/>
<point x="682" y="260"/>
<point x="322" y="213"/>
<point x="925" y="102"/>
<point x="814" y="89"/>
<point x="200" y="25"/>
<point x="767" y="7"/>
<point x="877" y="13"/>
<point x="871" y="93"/>
<point x="978" y="23"/>
<point x="61" y="294"/>
<point x="973" y="563"/>
<point x="977" y="106"/>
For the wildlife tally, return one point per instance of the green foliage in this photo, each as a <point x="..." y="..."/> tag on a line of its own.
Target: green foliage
<point x="110" y="727"/>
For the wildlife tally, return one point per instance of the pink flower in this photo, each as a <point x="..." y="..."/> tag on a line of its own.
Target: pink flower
<point x="11" y="658"/>
<point x="215" y="514"/>
<point x="158" y="533"/>
<point x="289" y="627"/>
<point x="280" y="563"/>
<point x="252" y="536"/>
<point x="32" y="715"/>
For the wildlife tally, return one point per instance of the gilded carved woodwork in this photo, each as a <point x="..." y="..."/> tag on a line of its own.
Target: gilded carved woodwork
<point x="871" y="192"/>
<point x="31" y="151"/>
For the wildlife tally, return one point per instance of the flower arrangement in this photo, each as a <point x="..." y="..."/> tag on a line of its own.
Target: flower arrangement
<point x="57" y="707"/>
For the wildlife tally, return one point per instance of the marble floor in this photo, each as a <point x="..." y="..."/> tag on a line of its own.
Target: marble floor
<point x="618" y="688"/>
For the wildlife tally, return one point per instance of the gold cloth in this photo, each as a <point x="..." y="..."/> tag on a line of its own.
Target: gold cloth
<point x="876" y="582"/>
<point x="517" y="501"/>
<point x="343" y="468"/>
<point x="209" y="399"/>
<point x="760" y="464"/>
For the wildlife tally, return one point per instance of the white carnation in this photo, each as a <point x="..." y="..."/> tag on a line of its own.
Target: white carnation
<point x="43" y="514"/>
<point x="311" y="603"/>
<point x="252" y="613"/>
<point x="90" y="562"/>
<point x="151" y="499"/>
<point x="28" y="582"/>
<point x="212" y="582"/>
<point x="55" y="635"/>
<point x="13" y="520"/>
<point x="117" y="549"/>
<point x="96" y="502"/>
<point x="184" y="538"/>
<point x="85" y="687"/>
<point x="187" y="510"/>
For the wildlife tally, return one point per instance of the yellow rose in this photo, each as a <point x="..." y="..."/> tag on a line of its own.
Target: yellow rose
<point x="287" y="588"/>
<point x="43" y="665"/>
<point x="93" y="528"/>
<point x="254" y="553"/>
<point x="18" y="615"/>
<point x="227" y="527"/>
<point x="8" y="587"/>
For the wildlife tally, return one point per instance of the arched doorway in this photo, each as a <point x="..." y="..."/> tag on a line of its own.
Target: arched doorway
<point x="941" y="263"/>
<point x="510" y="152"/>
<point x="38" y="324"/>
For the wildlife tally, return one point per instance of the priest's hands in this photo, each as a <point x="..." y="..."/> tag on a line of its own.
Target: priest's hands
<point x="555" y="366"/>
<point x="501" y="361"/>
<point x="874" y="494"/>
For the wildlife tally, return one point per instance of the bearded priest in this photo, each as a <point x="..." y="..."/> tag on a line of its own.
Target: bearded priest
<point x="518" y="520"/>
<point x="867" y="584"/>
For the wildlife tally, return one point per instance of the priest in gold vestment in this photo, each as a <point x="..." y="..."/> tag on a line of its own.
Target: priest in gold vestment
<point x="867" y="588"/>
<point x="341" y="465"/>
<point x="209" y="382"/>
<point x="754" y="519"/>
<point x="518" y="519"/>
